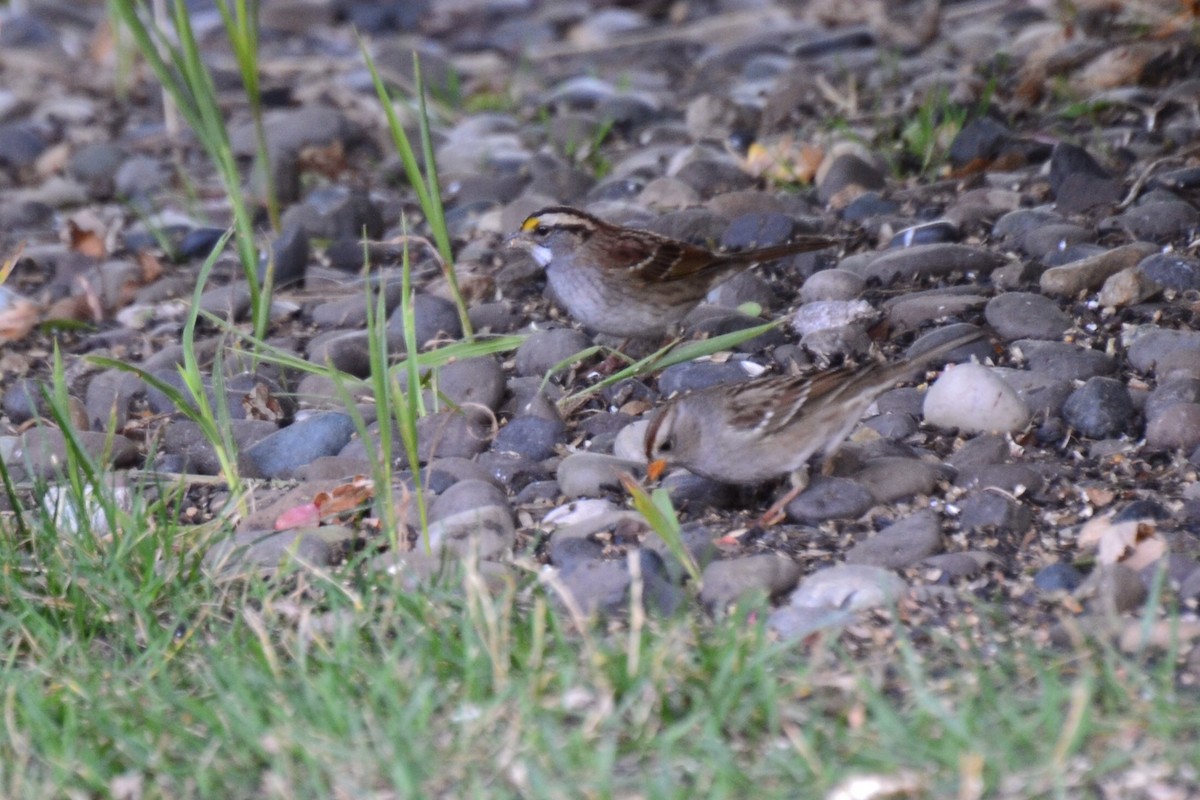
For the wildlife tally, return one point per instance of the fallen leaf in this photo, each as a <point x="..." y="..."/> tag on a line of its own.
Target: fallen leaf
<point x="353" y="496"/>
<point x="82" y="238"/>
<point x="1134" y="543"/>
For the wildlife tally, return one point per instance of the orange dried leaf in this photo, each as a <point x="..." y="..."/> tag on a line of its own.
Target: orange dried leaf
<point x="86" y="241"/>
<point x="352" y="496"/>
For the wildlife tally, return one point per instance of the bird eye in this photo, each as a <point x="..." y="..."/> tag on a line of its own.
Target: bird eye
<point x="665" y="446"/>
<point x="540" y="231"/>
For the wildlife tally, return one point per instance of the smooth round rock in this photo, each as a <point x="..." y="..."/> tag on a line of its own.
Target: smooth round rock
<point x="446" y="434"/>
<point x="603" y="587"/>
<point x="1063" y="360"/>
<point x="972" y="398"/>
<point x="830" y="498"/>
<point x="1058" y="577"/>
<point x="591" y="474"/>
<point x="1100" y="409"/>
<point x="893" y="478"/>
<point x="281" y="453"/>
<point x="1024" y="315"/>
<point x="544" y="350"/>
<point x="832" y="284"/>
<point x="984" y="510"/>
<point x="530" y="436"/>
<point x="849" y="587"/>
<point x="1177" y="427"/>
<point x="902" y="544"/>
<point x="725" y="582"/>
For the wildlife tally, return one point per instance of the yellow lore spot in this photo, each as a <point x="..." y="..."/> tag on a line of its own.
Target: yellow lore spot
<point x="529" y="224"/>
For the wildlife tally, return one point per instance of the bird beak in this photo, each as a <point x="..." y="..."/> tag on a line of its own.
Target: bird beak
<point x="655" y="470"/>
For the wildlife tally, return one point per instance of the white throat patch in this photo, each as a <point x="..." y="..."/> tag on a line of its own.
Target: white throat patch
<point x="541" y="255"/>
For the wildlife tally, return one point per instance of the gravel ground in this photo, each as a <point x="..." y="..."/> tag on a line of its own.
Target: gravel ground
<point x="989" y="164"/>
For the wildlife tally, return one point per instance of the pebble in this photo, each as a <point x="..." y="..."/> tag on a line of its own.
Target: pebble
<point x="1175" y="428"/>
<point x="42" y="453"/>
<point x="471" y="517"/>
<point x="267" y="552"/>
<point x="726" y="582"/>
<point x="893" y="478"/>
<point x="281" y="453"/>
<point x="1100" y="409"/>
<point x="1090" y="273"/>
<point x="603" y="587"/>
<point x="1126" y="288"/>
<point x="993" y="511"/>
<point x="1025" y="315"/>
<point x="825" y="314"/>
<point x="1148" y="347"/>
<point x="961" y="565"/>
<point x="849" y="587"/>
<point x="1171" y="271"/>
<point x="1058" y="577"/>
<point x="533" y="437"/>
<point x="973" y="399"/>
<point x="446" y="434"/>
<point x="593" y="474"/>
<point x="827" y="498"/>
<point x="929" y="260"/>
<point x="543" y="351"/>
<point x="905" y="542"/>
<point x="832" y="284"/>
<point x="1064" y="360"/>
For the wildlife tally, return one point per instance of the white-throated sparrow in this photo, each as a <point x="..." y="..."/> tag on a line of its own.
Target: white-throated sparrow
<point x="629" y="282"/>
<point x="768" y="427"/>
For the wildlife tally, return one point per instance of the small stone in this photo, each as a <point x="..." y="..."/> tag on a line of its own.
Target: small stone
<point x="1112" y="589"/>
<point x="830" y="498"/>
<point x="532" y="437"/>
<point x="1057" y="577"/>
<point x="1126" y="288"/>
<point x="832" y="284"/>
<point x="1089" y="273"/>
<point x="1064" y="360"/>
<point x="849" y="587"/>
<point x="901" y="544"/>
<point x="893" y="478"/>
<point x="545" y="350"/>
<point x="984" y="510"/>
<point x="603" y="587"/>
<point x="1024" y="315"/>
<point x="1100" y="409"/>
<point x="726" y="582"/>
<point x="462" y="433"/>
<point x="592" y="474"/>
<point x="972" y="398"/>
<point x="1175" y="428"/>
<point x="930" y="260"/>
<point x="1150" y="346"/>
<point x="1171" y="271"/>
<point x="960" y="566"/>
<point x="281" y="453"/>
<point x="825" y="314"/>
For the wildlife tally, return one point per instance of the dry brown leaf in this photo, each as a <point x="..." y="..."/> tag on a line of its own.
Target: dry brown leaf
<point x="84" y="239"/>
<point x="352" y="496"/>
<point x="1134" y="543"/>
<point x="259" y="403"/>
<point x="152" y="268"/>
<point x="1099" y="497"/>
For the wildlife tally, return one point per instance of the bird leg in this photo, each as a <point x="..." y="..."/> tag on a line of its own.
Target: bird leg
<point x="776" y="514"/>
